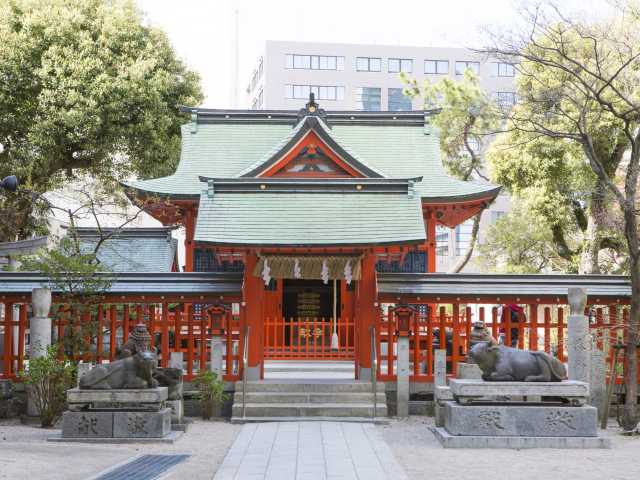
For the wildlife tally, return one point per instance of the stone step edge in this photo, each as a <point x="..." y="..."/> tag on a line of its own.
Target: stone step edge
<point x="377" y="420"/>
<point x="312" y="405"/>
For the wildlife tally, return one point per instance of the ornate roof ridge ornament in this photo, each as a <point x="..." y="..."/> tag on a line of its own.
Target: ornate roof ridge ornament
<point x="311" y="108"/>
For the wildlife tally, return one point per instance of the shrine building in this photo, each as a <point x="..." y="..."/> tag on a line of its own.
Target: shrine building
<point x="309" y="206"/>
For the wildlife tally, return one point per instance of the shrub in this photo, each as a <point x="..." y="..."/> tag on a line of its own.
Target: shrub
<point x="210" y="392"/>
<point x="49" y="378"/>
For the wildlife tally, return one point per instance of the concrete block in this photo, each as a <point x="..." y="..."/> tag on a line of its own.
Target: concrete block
<point x="142" y="424"/>
<point x="137" y="396"/>
<point x="480" y="388"/>
<point x="469" y="371"/>
<point x="177" y="410"/>
<point x="87" y="425"/>
<point x="523" y="421"/>
<point x="518" y="443"/>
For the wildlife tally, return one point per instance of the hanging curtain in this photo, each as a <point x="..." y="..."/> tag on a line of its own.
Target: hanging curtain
<point x="309" y="267"/>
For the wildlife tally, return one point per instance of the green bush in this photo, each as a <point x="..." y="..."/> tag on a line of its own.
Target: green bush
<point x="210" y="392"/>
<point x="48" y="378"/>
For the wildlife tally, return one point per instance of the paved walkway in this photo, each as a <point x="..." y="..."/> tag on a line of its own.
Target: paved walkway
<point x="310" y="451"/>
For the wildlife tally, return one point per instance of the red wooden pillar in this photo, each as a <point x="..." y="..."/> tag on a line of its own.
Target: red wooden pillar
<point x="190" y="227"/>
<point x="253" y="296"/>
<point x="431" y="243"/>
<point x="367" y="311"/>
<point x="8" y="339"/>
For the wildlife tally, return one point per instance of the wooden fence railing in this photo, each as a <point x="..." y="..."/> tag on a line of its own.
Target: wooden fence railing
<point x="539" y="327"/>
<point x="308" y="338"/>
<point x="97" y="330"/>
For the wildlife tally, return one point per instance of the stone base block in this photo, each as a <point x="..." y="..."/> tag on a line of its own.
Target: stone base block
<point x="517" y="443"/>
<point x="171" y="438"/>
<point x="520" y="420"/>
<point x="87" y="425"/>
<point x="469" y="388"/>
<point x="177" y="410"/>
<point x="142" y="424"/>
<point x="151" y="398"/>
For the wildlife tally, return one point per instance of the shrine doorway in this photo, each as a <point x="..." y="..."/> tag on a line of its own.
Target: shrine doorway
<point x="312" y="325"/>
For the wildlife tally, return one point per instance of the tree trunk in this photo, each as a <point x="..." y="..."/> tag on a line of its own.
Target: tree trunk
<point x="629" y="416"/>
<point x="594" y="232"/>
<point x="460" y="264"/>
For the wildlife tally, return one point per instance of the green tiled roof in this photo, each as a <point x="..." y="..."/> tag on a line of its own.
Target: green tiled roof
<point x="133" y="249"/>
<point x="232" y="147"/>
<point x="306" y="219"/>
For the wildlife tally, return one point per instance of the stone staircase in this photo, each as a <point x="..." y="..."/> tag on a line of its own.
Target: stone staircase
<point x="317" y="395"/>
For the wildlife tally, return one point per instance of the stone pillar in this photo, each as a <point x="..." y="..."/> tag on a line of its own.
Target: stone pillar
<point x="176" y="360"/>
<point x="440" y="368"/>
<point x="578" y="337"/>
<point x="217" y="344"/>
<point x="402" y="386"/>
<point x="598" y="383"/>
<point x="40" y="323"/>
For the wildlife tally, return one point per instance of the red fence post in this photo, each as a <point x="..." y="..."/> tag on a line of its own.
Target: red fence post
<point x="455" y="340"/>
<point x="164" y="348"/>
<point x="99" y="347"/>
<point x="113" y="328"/>
<point x="533" y="330"/>
<point x="22" y="327"/>
<point x="560" y="334"/>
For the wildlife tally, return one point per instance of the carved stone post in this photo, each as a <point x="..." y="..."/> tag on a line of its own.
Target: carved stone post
<point x="404" y="320"/>
<point x="40" y="323"/>
<point x="598" y="383"/>
<point x="440" y="368"/>
<point x="578" y="338"/>
<point x="218" y="316"/>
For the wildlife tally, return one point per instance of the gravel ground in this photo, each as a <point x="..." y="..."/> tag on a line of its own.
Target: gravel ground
<point x="25" y="453"/>
<point x="422" y="457"/>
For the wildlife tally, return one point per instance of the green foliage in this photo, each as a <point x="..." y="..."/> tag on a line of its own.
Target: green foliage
<point x="518" y="243"/>
<point x="48" y="378"/>
<point x="86" y="87"/>
<point x="467" y="115"/>
<point x="210" y="392"/>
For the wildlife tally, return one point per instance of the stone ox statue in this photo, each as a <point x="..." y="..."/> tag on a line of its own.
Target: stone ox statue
<point x="505" y="364"/>
<point x="135" y="366"/>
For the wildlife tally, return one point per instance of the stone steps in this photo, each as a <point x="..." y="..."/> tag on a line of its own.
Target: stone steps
<point x="310" y="397"/>
<point x="309" y="386"/>
<point x="309" y="400"/>
<point x="309" y="410"/>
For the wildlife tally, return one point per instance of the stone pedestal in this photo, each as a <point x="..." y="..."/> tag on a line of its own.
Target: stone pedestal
<point x="117" y="414"/>
<point x="402" y="385"/>
<point x="551" y="415"/>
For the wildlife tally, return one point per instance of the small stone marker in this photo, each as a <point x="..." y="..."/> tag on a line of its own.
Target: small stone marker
<point x="598" y="386"/>
<point x="176" y="360"/>
<point x="217" y="345"/>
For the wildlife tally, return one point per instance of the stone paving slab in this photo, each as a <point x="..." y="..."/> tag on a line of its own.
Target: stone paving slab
<point x="303" y="450"/>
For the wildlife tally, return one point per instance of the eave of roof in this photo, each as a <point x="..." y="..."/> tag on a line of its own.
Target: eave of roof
<point x="161" y="283"/>
<point x="541" y="285"/>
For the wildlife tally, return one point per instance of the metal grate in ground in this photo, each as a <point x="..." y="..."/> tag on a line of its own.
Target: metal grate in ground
<point x="145" y="467"/>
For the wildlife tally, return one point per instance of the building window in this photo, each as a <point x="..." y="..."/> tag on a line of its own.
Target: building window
<point x="398" y="101"/>
<point x="506" y="100"/>
<point x="367" y="64"/>
<point x="462" y="66"/>
<point x="321" y="92"/>
<point x="442" y="241"/>
<point x="504" y="69"/>
<point x="496" y="215"/>
<point x="368" y="98"/>
<point x="314" y="62"/>
<point x="436" y="67"/>
<point x="397" y="65"/>
<point x="463" y="237"/>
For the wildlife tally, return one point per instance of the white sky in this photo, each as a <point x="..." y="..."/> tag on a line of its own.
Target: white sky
<point x="202" y="30"/>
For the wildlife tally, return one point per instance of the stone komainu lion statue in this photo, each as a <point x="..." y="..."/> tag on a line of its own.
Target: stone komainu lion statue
<point x="503" y="364"/>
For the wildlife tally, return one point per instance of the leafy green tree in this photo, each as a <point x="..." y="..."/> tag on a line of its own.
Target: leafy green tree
<point x="585" y="92"/>
<point x="520" y="243"/>
<point x="555" y="181"/>
<point x="86" y="87"/>
<point x="466" y="116"/>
